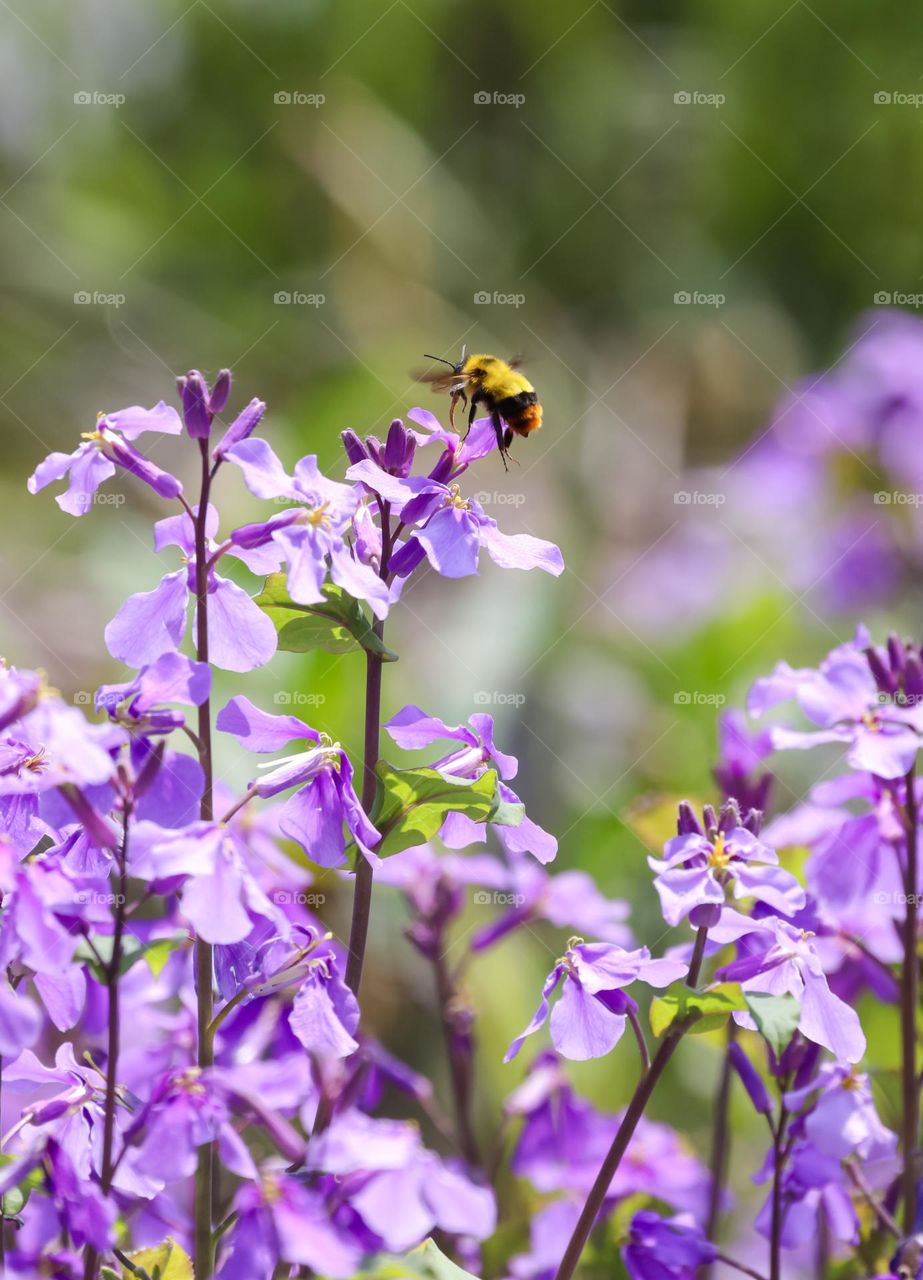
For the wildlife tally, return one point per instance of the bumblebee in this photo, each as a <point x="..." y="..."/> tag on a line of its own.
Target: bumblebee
<point x="509" y="398"/>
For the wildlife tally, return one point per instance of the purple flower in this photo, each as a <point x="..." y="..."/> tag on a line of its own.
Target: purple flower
<point x="325" y="1015"/>
<point x="279" y="1219"/>
<point x="740" y="754"/>
<point x="843" y="697"/>
<point x="138" y="703"/>
<point x="843" y="1120"/>
<point x="784" y="961"/>
<point x="399" y="1189"/>
<point x="311" y="536"/>
<point x="699" y="868"/>
<point x="450" y="531"/>
<point x="220" y="896"/>
<point x="152" y="623"/>
<point x="413" y="730"/>
<point x="325" y="801"/>
<point x="568" y="900"/>
<point x="95" y="460"/>
<point x="589" y="1019"/>
<point x="665" y="1248"/>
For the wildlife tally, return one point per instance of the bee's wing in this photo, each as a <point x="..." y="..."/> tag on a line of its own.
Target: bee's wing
<point x="516" y="362"/>
<point x="439" y="380"/>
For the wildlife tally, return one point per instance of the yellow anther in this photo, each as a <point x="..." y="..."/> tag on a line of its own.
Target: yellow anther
<point x="719" y="857"/>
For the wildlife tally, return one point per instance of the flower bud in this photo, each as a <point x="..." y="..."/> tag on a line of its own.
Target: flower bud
<point x="687" y="822"/>
<point x="193" y="390"/>
<point x="243" y="426"/>
<point x="751" y="1079"/>
<point x="400" y="448"/>
<point x="221" y="392"/>
<point x="355" y="449"/>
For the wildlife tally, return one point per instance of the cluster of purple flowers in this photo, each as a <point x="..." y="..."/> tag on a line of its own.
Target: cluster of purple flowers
<point x="242" y="1119"/>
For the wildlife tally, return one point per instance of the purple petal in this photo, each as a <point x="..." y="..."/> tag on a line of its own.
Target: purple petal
<point x="259" y="730"/>
<point x="412" y="729"/>
<point x="313" y="817"/>
<point x="451" y="542"/>
<point x="241" y="637"/>
<point x="829" y="1021"/>
<point x="581" y="1025"/>
<point x="264" y="474"/>
<point x="520" y="550"/>
<point x="150" y="623"/>
<point x="134" y="420"/>
<point x="540" y="1016"/>
<point x="318" y="1024"/>
<point x="361" y="581"/>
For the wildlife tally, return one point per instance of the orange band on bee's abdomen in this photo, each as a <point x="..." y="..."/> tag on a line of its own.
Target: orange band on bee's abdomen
<point x="526" y="420"/>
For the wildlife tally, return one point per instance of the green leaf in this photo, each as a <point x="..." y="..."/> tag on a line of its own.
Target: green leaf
<point x="709" y="1009"/>
<point x="338" y="625"/>
<point x="426" y="1262"/>
<point x="167" y="1261"/>
<point x="412" y="804"/>
<point x="776" y="1018"/>
<point x="436" y="1265"/>
<point x="155" y="953"/>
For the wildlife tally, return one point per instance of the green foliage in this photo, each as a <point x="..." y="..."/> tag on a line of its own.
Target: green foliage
<point x="98" y="957"/>
<point x="339" y="625"/>
<point x="776" y="1017"/>
<point x="166" y="1261"/>
<point x="16" y="1199"/>
<point x="427" y="1262"/>
<point x="705" y="1010"/>
<point x="412" y="804"/>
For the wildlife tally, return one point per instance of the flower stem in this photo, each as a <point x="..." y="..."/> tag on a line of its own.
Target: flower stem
<point x="113" y="1041"/>
<point x="205" y="1171"/>
<point x="910" y="983"/>
<point x="633" y="1114"/>
<point x="362" y="891"/>
<point x="738" y="1266"/>
<point x="779" y="1156"/>
<point x="459" y="1050"/>
<point x="721" y="1140"/>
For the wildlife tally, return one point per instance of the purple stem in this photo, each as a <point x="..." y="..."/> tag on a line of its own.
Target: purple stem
<point x="633" y="1113"/>
<point x="721" y="1140"/>
<point x="910" y="983"/>
<point x="362" y="891"/>
<point x="456" y="1030"/>
<point x="205" y="1171"/>
<point x="113" y="1041"/>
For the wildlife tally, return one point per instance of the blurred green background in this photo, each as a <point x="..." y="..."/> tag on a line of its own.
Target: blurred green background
<point x="531" y="179"/>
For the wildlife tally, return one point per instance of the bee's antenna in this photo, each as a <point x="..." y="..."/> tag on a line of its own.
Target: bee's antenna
<point x="440" y="359"/>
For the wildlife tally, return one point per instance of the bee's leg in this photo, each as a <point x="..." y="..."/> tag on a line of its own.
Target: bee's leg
<point x="475" y="401"/>
<point x="502" y="437"/>
<point x="456" y="396"/>
<point x="507" y="441"/>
